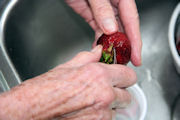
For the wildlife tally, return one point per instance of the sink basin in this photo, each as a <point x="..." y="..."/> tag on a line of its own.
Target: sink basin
<point x="37" y="35"/>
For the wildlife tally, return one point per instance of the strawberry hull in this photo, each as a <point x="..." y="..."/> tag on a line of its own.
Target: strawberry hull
<point x="120" y="43"/>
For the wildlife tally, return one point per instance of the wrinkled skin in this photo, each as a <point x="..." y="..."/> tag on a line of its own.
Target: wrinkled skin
<point x="81" y="89"/>
<point x="110" y="16"/>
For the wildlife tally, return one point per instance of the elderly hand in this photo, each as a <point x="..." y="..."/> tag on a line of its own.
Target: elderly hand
<point x="109" y="16"/>
<point x="81" y="89"/>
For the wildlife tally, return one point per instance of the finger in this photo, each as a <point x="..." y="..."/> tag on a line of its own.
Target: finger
<point x="104" y="15"/>
<point x="85" y="57"/>
<point x="120" y="26"/>
<point x="98" y="33"/>
<point x="114" y="114"/>
<point x="121" y="29"/>
<point x="123" y="98"/>
<point x="82" y="8"/>
<point x="116" y="11"/>
<point x="93" y="25"/>
<point x="120" y="75"/>
<point x="130" y="19"/>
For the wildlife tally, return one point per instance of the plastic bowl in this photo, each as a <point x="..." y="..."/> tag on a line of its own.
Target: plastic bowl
<point x="137" y="109"/>
<point x="171" y="35"/>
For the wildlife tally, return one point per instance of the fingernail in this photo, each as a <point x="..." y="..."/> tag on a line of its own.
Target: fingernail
<point x="98" y="48"/>
<point x="109" y="25"/>
<point x="137" y="60"/>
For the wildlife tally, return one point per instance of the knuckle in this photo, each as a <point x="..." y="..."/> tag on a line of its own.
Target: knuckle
<point x="91" y="67"/>
<point x="101" y="72"/>
<point x="97" y="69"/>
<point x="103" y="8"/>
<point x="100" y="8"/>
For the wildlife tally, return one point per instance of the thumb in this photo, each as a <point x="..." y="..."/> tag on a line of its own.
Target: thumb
<point x="85" y="57"/>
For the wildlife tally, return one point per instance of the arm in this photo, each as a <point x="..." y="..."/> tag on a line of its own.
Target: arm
<point x="74" y="90"/>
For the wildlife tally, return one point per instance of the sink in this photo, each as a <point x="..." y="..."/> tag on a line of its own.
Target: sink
<point x="37" y="35"/>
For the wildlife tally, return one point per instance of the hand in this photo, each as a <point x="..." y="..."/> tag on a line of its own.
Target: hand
<point x="109" y="16"/>
<point x="81" y="89"/>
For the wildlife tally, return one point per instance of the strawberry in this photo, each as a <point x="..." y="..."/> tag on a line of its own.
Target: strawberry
<point x="120" y="43"/>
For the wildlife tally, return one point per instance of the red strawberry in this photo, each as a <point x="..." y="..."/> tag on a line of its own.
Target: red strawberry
<point x="120" y="43"/>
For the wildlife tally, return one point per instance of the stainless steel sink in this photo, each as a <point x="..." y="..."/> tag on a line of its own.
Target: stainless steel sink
<point x="37" y="35"/>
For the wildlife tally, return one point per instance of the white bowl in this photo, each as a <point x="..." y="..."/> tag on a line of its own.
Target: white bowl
<point x="171" y="35"/>
<point x="137" y="109"/>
